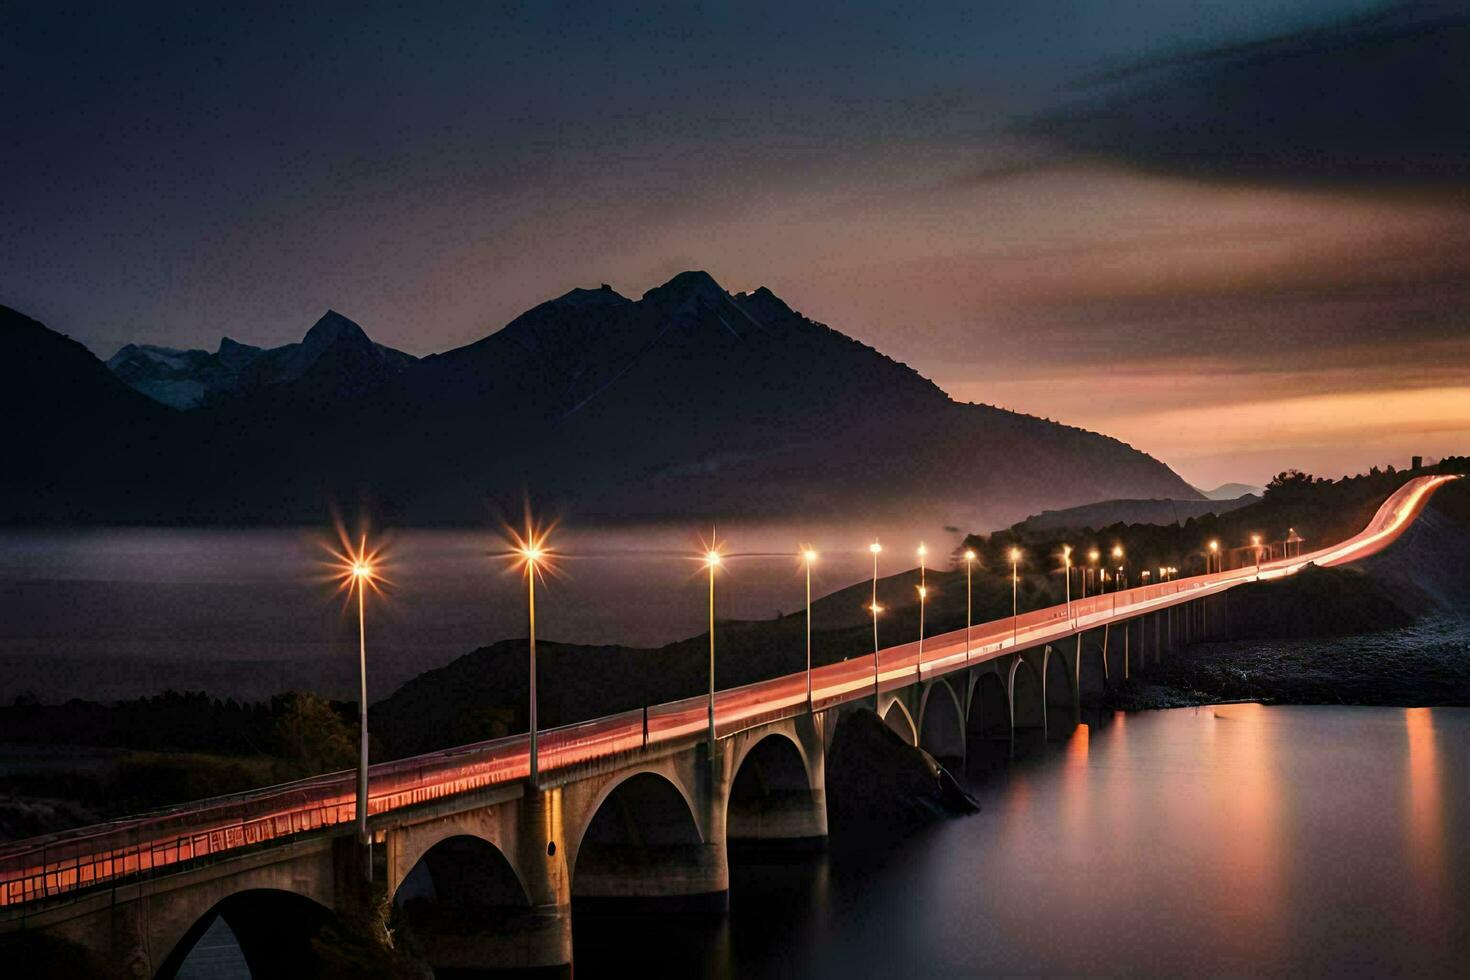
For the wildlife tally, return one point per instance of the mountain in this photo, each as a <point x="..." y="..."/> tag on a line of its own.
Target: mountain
<point x="78" y="442"/>
<point x="1232" y="491"/>
<point x="688" y="402"/>
<point x="1105" y="513"/>
<point x="187" y="379"/>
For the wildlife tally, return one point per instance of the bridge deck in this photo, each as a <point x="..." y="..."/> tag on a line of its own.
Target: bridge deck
<point x="45" y="867"/>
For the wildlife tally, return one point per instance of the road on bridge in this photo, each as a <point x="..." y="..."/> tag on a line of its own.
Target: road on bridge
<point x="66" y="862"/>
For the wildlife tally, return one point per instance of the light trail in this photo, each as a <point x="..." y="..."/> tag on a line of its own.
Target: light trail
<point x="67" y="862"/>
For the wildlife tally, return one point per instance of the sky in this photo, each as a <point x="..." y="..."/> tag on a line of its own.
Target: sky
<point x="1234" y="235"/>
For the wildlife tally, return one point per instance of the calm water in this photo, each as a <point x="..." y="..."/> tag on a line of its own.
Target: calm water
<point x="124" y="612"/>
<point x="1235" y="839"/>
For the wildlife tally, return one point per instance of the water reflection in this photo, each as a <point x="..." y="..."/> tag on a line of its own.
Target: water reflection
<point x="1239" y="839"/>
<point x="1246" y="751"/>
<point x="1426" y="817"/>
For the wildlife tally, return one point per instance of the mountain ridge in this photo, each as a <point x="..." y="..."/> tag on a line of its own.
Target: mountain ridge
<point x="688" y="402"/>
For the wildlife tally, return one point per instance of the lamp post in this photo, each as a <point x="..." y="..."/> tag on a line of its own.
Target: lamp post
<point x="969" y="597"/>
<point x="1067" y="568"/>
<point x="531" y="553"/>
<point x="362" y="579"/>
<point x="808" y="556"/>
<point x="1212" y="561"/>
<point x="357" y="571"/>
<point x="1256" y="543"/>
<point x="923" y="594"/>
<point x="875" y="548"/>
<point x="1118" y="582"/>
<point x="1015" y="557"/>
<point x="712" y="562"/>
<point x="1092" y="557"/>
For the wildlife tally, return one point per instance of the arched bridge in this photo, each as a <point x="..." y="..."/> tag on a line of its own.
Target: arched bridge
<point x="481" y="865"/>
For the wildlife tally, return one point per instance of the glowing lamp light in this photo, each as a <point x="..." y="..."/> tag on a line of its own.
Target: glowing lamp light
<point x="1093" y="556"/>
<point x="809" y="556"/>
<point x="875" y="547"/>
<point x="969" y="554"/>
<point x="1015" y="554"/>
<point x="1117" y="551"/>
<point x="923" y="592"/>
<point x="1214" y="546"/>
<point x="712" y="559"/>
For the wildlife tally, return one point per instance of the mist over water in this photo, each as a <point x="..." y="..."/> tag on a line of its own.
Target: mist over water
<point x="125" y="612"/>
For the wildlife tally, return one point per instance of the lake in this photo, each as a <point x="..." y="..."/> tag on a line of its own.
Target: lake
<point x="1235" y="839"/>
<point x="124" y="612"/>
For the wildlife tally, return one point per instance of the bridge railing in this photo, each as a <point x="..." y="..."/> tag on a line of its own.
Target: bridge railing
<point x="68" y="862"/>
<point x="573" y="744"/>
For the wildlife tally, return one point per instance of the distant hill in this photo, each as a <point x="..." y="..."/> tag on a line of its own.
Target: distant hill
<point x="1232" y="491"/>
<point x="1108" y="512"/>
<point x="687" y="403"/>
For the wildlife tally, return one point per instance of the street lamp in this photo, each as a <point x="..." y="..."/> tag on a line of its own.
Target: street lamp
<point x="923" y="594"/>
<point x="1118" y="581"/>
<point x="531" y="554"/>
<point x="969" y="597"/>
<point x="1067" y="562"/>
<point x="1015" y="557"/>
<point x="535" y="559"/>
<point x="712" y="562"/>
<point x="357" y="569"/>
<point x="362" y="577"/>
<point x="1256" y="543"/>
<point x="875" y="548"/>
<point x="808" y="556"/>
<point x="1214" y="558"/>
<point x="1092" y="557"/>
<point x="876" y="610"/>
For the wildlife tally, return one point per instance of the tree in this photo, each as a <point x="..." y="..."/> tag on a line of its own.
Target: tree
<point x="309" y="736"/>
<point x="1289" y="485"/>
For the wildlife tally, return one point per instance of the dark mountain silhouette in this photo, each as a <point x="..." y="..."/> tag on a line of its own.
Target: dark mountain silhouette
<point x="78" y="442"/>
<point x="689" y="402"/>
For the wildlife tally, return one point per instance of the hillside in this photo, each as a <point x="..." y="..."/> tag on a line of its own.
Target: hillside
<point x="1106" y="512"/>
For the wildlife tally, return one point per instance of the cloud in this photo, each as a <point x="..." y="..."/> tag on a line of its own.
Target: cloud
<point x="1375" y="102"/>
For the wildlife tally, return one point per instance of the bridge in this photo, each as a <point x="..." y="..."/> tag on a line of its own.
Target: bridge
<point x="483" y="862"/>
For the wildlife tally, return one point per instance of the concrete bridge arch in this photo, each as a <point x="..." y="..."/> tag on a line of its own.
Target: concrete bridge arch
<point x="274" y="928"/>
<point x="413" y="843"/>
<point x="1059" y="688"/>
<point x="777" y="785"/>
<point x="989" y="714"/>
<point x="897" y="717"/>
<point x="942" y="721"/>
<point x="649" y="831"/>
<point x="1027" y="694"/>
